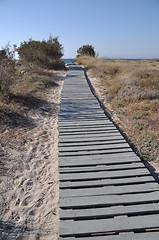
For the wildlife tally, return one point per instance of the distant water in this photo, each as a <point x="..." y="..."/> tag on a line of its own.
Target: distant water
<point x="68" y="60"/>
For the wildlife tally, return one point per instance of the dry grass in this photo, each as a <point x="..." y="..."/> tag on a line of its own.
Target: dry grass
<point x="7" y="70"/>
<point x="25" y="94"/>
<point x="27" y="91"/>
<point x="130" y="91"/>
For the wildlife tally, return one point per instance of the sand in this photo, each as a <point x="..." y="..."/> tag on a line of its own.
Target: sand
<point x="29" y="191"/>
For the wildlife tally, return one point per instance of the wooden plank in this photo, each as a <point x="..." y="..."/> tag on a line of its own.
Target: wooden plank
<point x="103" y="175"/>
<point x="79" y="228"/>
<point x="91" y="143"/>
<point x="88" y="129"/>
<point x="109" y="190"/>
<point x="122" y="236"/>
<point x="85" y="98"/>
<point x="90" y="138"/>
<point x="89" y="112"/>
<point x="104" y="129"/>
<point x="102" y="168"/>
<point x="97" y="152"/>
<point x="116" y="164"/>
<point x="93" y="129"/>
<point x="81" y="107"/>
<point x="72" y="117"/>
<point x="107" y="182"/>
<point x="83" y="148"/>
<point x="113" y="156"/>
<point x="83" y="124"/>
<point x="79" y="110"/>
<point x="76" y="121"/>
<point x="107" y="212"/>
<point x="86" y="137"/>
<point x="81" y="116"/>
<point x="108" y="200"/>
<point x="94" y="160"/>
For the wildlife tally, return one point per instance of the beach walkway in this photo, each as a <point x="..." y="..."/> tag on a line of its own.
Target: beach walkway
<point x="106" y="192"/>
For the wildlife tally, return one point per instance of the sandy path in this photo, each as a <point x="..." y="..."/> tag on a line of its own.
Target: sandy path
<point x="30" y="191"/>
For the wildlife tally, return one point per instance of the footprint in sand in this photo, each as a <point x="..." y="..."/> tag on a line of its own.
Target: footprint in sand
<point x="39" y="202"/>
<point x="17" y="202"/>
<point x="29" y="185"/>
<point x="26" y="201"/>
<point x="32" y="212"/>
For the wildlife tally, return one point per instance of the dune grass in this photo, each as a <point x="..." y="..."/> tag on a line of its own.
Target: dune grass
<point x="130" y="92"/>
<point x="25" y="91"/>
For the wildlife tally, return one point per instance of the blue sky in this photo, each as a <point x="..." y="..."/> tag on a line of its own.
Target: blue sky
<point x="116" y="28"/>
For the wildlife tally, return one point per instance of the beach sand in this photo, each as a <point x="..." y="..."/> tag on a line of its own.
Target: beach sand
<point x="29" y="190"/>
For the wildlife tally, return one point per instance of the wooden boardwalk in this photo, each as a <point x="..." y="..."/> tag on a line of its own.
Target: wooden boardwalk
<point x="106" y="192"/>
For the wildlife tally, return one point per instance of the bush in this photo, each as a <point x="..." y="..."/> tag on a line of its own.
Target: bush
<point x="3" y="55"/>
<point x="7" y="70"/>
<point x="86" y="50"/>
<point x="43" y="53"/>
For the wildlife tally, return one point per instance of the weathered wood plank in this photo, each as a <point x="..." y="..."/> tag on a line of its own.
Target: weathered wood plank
<point x="107" y="212"/>
<point x="83" y="125"/>
<point x="95" y="160"/>
<point x="86" y="137"/>
<point x="91" y="143"/>
<point x="107" y="182"/>
<point x="96" y="165"/>
<point x="122" y="236"/>
<point x="101" y="174"/>
<point x="82" y="128"/>
<point x="83" y="148"/>
<point x="113" y="156"/>
<point x="103" y="167"/>
<point x="97" y="152"/>
<point x="69" y="228"/>
<point x="108" y="200"/>
<point x="109" y="190"/>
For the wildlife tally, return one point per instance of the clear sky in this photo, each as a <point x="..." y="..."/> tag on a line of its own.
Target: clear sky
<point x="116" y="28"/>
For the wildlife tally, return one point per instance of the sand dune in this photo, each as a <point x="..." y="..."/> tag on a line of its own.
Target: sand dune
<point x="29" y="191"/>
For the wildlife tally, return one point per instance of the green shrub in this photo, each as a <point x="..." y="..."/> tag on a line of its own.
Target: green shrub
<point x="3" y="54"/>
<point x="86" y="50"/>
<point x="46" y="54"/>
<point x="7" y="70"/>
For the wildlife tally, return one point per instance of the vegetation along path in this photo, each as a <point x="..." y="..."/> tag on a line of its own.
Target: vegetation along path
<point x="106" y="192"/>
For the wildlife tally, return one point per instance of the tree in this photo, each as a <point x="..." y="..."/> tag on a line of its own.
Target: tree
<point x="6" y="52"/>
<point x="7" y="69"/>
<point x="86" y="50"/>
<point x="3" y="54"/>
<point x="55" y="49"/>
<point x="43" y="53"/>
